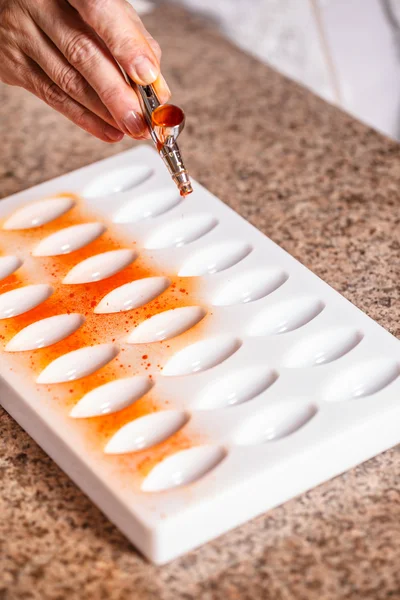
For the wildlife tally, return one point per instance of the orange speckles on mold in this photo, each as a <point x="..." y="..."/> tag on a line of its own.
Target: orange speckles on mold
<point x="148" y="459"/>
<point x="98" y="328"/>
<point x="9" y="283"/>
<point x="104" y="427"/>
<point x="137" y="465"/>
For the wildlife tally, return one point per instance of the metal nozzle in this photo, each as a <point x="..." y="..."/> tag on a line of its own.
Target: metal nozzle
<point x="172" y="158"/>
<point x="165" y="122"/>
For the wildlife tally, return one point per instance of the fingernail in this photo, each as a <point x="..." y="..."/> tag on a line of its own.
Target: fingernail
<point x="146" y="135"/>
<point x="145" y="69"/>
<point x="164" y="90"/>
<point x="113" y="134"/>
<point x="134" y="123"/>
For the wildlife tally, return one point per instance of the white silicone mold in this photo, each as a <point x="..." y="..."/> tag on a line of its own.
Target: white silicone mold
<point x="184" y="370"/>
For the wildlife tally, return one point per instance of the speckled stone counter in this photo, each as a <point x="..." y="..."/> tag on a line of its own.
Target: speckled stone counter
<point x="324" y="187"/>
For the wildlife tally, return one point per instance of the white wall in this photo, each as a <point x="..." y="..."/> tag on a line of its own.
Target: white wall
<point x="345" y="50"/>
<point x="367" y="60"/>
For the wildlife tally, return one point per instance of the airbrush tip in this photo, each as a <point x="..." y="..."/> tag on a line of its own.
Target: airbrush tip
<point x="186" y="189"/>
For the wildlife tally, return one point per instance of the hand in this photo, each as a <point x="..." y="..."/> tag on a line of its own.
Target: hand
<point x="66" y="53"/>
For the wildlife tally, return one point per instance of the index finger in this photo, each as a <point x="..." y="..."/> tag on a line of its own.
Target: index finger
<point x="84" y="50"/>
<point x="122" y="31"/>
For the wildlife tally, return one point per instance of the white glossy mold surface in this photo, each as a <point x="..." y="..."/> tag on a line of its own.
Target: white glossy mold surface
<point x="38" y="213"/>
<point x="149" y="205"/>
<point x="69" y="239"/>
<point x="286" y="316"/>
<point x="201" y="356"/>
<point x="235" y="388"/>
<point x="45" y="332"/>
<point x="8" y="265"/>
<point x="364" y="379"/>
<point x="275" y="423"/>
<point x="166" y="325"/>
<point x="132" y="295"/>
<point x="146" y="431"/>
<point x="322" y="348"/>
<point x="20" y="300"/>
<point x="100" y="266"/>
<point x="78" y="363"/>
<point x="181" y="231"/>
<point x="186" y="372"/>
<point x="215" y="258"/>
<point x="183" y="468"/>
<point x="118" y="180"/>
<point x="250" y="286"/>
<point x="111" y="397"/>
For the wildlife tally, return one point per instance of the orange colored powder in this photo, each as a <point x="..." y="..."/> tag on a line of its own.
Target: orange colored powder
<point x="98" y="328"/>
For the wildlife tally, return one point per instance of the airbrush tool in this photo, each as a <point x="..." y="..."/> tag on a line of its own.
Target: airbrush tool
<point x="165" y="121"/>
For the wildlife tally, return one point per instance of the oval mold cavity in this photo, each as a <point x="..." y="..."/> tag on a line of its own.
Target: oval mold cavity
<point x="201" y="356"/>
<point x="146" y="431"/>
<point x="183" y="468"/>
<point x="118" y="180"/>
<point x="250" y="286"/>
<point x="166" y="325"/>
<point x="364" y="379"/>
<point x="132" y="295"/>
<point x="45" y="332"/>
<point x="111" y="397"/>
<point x="215" y="258"/>
<point x="322" y="348"/>
<point x="78" y="363"/>
<point x="100" y="266"/>
<point x="286" y="316"/>
<point x="148" y="205"/>
<point x="181" y="231"/>
<point x="275" y="423"/>
<point x="9" y="264"/>
<point x="235" y="388"/>
<point x="39" y="213"/>
<point x="69" y="239"/>
<point x="19" y="301"/>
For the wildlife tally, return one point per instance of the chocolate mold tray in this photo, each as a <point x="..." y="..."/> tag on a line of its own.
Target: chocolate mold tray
<point x="186" y="372"/>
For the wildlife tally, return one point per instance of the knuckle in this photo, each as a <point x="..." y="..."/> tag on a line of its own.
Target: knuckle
<point x="7" y="16"/>
<point x="110" y="95"/>
<point x="88" y="8"/>
<point x="53" y="95"/>
<point x="19" y="74"/>
<point x="81" y="118"/>
<point x="81" y="49"/>
<point x="94" y="4"/>
<point x="71" y="81"/>
<point x="11" y="23"/>
<point x="12" y="71"/>
<point x="124" y="47"/>
<point x="155" y="46"/>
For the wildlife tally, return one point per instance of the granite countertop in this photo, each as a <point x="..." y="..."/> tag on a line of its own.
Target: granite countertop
<point x="324" y="187"/>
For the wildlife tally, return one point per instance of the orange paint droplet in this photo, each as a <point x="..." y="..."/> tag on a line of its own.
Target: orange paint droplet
<point x="144" y="356"/>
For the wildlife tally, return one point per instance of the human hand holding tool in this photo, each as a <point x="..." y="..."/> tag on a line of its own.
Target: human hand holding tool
<point x="67" y="54"/>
